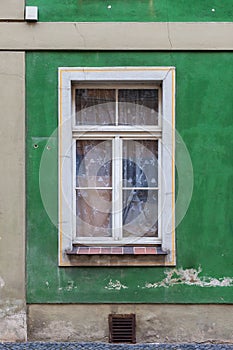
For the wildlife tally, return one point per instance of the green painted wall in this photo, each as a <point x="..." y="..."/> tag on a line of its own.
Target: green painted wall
<point x="204" y="115"/>
<point x="133" y="10"/>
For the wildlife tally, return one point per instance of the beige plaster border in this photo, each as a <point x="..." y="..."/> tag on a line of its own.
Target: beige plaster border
<point x="12" y="189"/>
<point x="12" y="9"/>
<point x="116" y="36"/>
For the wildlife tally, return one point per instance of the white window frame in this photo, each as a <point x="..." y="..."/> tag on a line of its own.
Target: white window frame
<point x="69" y="79"/>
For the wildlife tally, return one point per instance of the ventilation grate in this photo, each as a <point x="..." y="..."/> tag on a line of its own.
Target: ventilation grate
<point x="122" y="328"/>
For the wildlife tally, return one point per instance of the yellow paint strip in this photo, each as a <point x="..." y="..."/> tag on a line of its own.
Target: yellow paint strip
<point x="173" y="166"/>
<point x="117" y="70"/>
<point x="60" y="165"/>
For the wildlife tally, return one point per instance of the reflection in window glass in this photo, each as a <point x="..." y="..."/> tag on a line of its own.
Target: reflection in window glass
<point x="140" y="213"/>
<point x="93" y="213"/>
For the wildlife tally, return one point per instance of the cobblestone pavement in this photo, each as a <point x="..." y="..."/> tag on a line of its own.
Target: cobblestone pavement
<point x="105" y="346"/>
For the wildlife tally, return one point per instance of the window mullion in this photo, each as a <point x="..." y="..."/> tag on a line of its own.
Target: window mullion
<point x="117" y="188"/>
<point x="117" y="108"/>
<point x="74" y="145"/>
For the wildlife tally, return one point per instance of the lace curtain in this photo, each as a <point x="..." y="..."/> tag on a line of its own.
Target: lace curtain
<point x="116" y="106"/>
<point x="94" y="188"/>
<point x="94" y="163"/>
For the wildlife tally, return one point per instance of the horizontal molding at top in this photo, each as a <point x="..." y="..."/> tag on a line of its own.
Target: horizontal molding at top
<point x="116" y="36"/>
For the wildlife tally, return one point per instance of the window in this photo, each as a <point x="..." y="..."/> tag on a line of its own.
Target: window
<point x="116" y="166"/>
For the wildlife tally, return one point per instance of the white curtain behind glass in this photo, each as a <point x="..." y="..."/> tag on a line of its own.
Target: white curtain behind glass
<point x="93" y="175"/>
<point x="140" y="191"/>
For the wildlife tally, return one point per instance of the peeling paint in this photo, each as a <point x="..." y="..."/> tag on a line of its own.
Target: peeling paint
<point x="115" y="285"/>
<point x="70" y="287"/>
<point x="190" y="277"/>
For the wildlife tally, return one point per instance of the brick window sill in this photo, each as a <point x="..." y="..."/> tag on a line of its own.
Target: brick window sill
<point x="117" y="256"/>
<point x="125" y="250"/>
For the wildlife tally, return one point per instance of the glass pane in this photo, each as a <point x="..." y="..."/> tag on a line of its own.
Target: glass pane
<point x="93" y="213"/>
<point x="140" y="163"/>
<point x="140" y="213"/>
<point x="95" y="107"/>
<point x="93" y="163"/>
<point x="138" y="106"/>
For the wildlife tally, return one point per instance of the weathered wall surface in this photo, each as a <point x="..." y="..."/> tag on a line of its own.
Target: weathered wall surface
<point x="204" y="120"/>
<point x="204" y="108"/>
<point x="154" y="323"/>
<point x="12" y="204"/>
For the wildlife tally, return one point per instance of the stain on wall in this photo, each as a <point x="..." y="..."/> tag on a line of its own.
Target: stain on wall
<point x="155" y="323"/>
<point x="2" y="282"/>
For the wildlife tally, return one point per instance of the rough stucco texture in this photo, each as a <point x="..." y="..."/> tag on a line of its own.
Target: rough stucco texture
<point x="154" y="323"/>
<point x="204" y="238"/>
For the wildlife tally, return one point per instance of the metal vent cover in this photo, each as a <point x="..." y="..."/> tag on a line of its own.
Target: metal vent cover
<point x="122" y="328"/>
